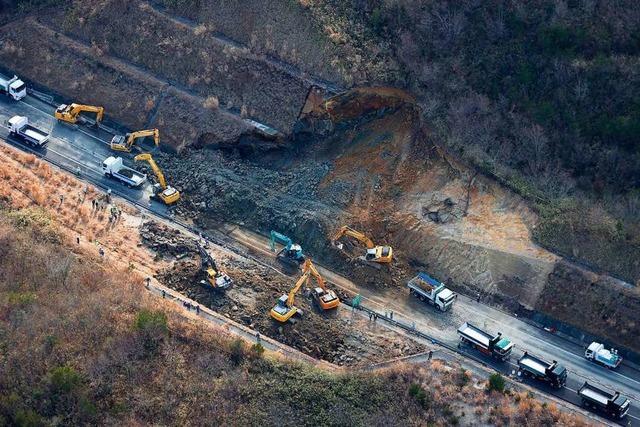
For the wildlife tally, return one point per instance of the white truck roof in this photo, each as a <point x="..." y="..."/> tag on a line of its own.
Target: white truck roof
<point x="445" y="294"/>
<point x="595" y="346"/>
<point x="15" y="120"/>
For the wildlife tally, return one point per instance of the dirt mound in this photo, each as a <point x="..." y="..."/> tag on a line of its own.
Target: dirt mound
<point x="166" y="241"/>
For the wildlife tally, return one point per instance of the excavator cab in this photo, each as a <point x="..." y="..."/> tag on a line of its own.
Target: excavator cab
<point x="216" y="279"/>
<point x="168" y="196"/>
<point x="291" y="255"/>
<point x="325" y="299"/>
<point x="282" y="312"/>
<point x="382" y="254"/>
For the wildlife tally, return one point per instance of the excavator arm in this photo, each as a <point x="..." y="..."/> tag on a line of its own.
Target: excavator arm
<point x="133" y="136"/>
<point x="316" y="275"/>
<point x="71" y="113"/>
<point x="156" y="170"/>
<point x="360" y="237"/>
<point x="292" y="293"/>
<point x="166" y="193"/>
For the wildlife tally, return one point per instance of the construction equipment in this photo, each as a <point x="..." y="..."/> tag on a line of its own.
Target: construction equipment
<point x="377" y="254"/>
<point x="161" y="190"/>
<point x="13" y="87"/>
<point x="291" y="254"/>
<point x="214" y="276"/>
<point x="125" y="142"/>
<point x="325" y="298"/>
<point x="71" y="113"/>
<point x="597" y="353"/>
<point x="609" y="402"/>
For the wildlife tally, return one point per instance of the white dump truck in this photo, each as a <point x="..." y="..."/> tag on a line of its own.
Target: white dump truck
<point x="113" y="167"/>
<point x="13" y="87"/>
<point x="19" y="127"/>
<point x="597" y="353"/>
<point x="428" y="289"/>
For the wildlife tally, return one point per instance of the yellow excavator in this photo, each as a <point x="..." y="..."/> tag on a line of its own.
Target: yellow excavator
<point x="327" y="299"/>
<point x="378" y="254"/>
<point x="125" y="142"/>
<point x="71" y="113"/>
<point x="161" y="190"/>
<point x="216" y="278"/>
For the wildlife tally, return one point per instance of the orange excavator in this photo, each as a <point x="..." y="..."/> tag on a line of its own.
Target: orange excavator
<point x="325" y="298"/>
<point x="70" y="113"/>
<point x="377" y="254"/>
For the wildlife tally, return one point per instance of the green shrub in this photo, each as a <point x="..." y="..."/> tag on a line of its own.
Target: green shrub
<point x="496" y="383"/>
<point x="65" y="379"/>
<point x="28" y="418"/>
<point x="419" y="394"/>
<point x="21" y="299"/>
<point x="147" y="320"/>
<point x="39" y="221"/>
<point x="258" y="349"/>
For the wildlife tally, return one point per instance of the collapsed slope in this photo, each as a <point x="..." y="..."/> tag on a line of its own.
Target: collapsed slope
<point x="367" y="161"/>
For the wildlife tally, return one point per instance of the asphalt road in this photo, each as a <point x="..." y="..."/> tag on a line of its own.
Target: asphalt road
<point x="84" y="149"/>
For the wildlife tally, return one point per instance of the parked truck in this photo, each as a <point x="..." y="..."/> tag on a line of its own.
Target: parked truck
<point x="13" y="87"/>
<point x="19" y="127"/>
<point x="113" y="167"/>
<point x="492" y="345"/>
<point x="428" y="289"/>
<point x="597" y="353"/>
<point x="535" y="367"/>
<point x="611" y="403"/>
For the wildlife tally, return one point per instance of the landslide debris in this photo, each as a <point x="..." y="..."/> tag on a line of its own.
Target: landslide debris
<point x="340" y="337"/>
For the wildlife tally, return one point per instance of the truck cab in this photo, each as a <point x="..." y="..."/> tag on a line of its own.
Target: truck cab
<point x="14" y="87"/>
<point x="18" y="89"/>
